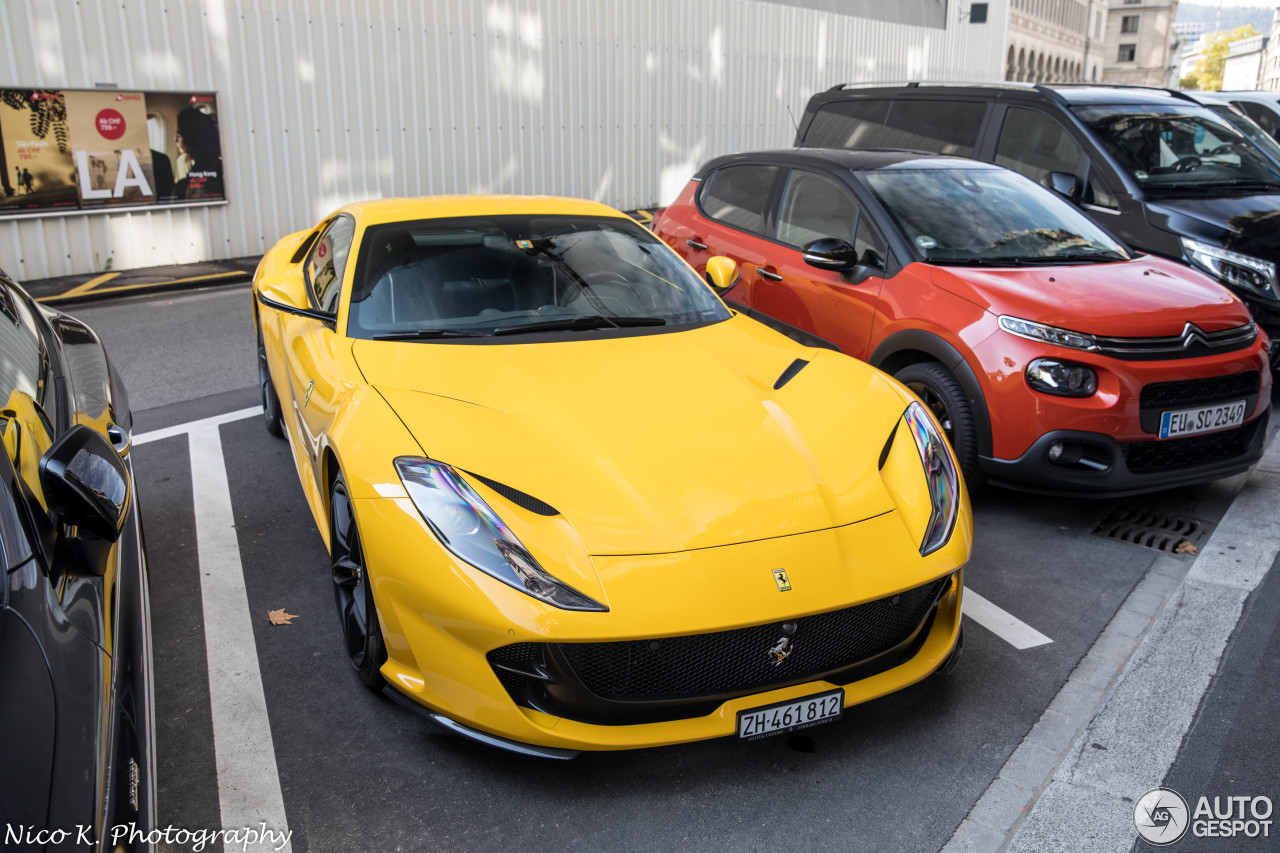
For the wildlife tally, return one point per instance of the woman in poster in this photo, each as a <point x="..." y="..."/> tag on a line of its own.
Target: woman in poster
<point x="198" y="144"/>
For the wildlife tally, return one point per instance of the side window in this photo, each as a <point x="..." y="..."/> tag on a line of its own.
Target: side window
<point x="1266" y="118"/>
<point x="739" y="195"/>
<point x="1036" y="144"/>
<point x="847" y="124"/>
<point x="328" y="260"/>
<point x="869" y="245"/>
<point x="947" y="127"/>
<point x="814" y="206"/>
<point x="1097" y="194"/>
<point x="26" y="389"/>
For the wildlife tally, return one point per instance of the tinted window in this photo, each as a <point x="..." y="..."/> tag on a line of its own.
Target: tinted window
<point x="814" y="206"/>
<point x="501" y="275"/>
<point x="848" y="124"/>
<point x="1263" y="115"/>
<point x="1035" y="145"/>
<point x="328" y="261"/>
<point x="947" y="127"/>
<point x="739" y="195"/>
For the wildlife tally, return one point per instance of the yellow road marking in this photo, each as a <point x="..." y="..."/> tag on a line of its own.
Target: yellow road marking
<point x="91" y="284"/>
<point x="644" y="217"/>
<point x="85" y="287"/>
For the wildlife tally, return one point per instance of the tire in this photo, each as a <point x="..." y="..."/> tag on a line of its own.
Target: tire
<point x="352" y="592"/>
<point x="942" y="393"/>
<point x="272" y="415"/>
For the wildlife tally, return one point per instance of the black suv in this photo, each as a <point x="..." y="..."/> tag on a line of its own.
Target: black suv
<point x="1153" y="166"/>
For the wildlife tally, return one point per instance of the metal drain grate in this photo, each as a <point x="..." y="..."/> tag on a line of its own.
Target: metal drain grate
<point x="1152" y="529"/>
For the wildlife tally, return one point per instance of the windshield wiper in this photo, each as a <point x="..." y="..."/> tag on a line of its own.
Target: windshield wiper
<point x="427" y="334"/>
<point x="582" y="321"/>
<point x="977" y="262"/>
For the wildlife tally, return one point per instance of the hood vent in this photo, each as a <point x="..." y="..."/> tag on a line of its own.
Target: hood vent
<point x="790" y="373"/>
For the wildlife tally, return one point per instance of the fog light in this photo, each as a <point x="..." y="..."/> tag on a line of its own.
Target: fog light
<point x="1062" y="378"/>
<point x="1055" y="451"/>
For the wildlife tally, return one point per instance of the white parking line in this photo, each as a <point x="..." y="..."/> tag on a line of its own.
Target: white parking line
<point x="191" y="426"/>
<point x="249" y="794"/>
<point x="1007" y="627"/>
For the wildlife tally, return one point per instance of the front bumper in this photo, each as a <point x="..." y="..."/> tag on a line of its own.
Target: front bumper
<point x="441" y="620"/>
<point x="1163" y="464"/>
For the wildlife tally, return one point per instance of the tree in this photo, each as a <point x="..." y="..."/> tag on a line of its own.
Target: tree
<point x="1207" y="74"/>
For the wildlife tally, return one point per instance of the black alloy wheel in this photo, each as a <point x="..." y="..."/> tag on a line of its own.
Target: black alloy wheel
<point x="352" y="591"/>
<point x="272" y="415"/>
<point x="942" y="393"/>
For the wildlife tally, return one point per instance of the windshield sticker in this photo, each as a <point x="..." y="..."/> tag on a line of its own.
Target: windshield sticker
<point x="924" y="241"/>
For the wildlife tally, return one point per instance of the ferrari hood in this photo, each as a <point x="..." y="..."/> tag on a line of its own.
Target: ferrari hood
<point x="1145" y="297"/>
<point x="653" y="443"/>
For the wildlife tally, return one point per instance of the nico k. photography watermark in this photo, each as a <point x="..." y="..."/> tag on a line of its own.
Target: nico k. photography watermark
<point x="130" y="833"/>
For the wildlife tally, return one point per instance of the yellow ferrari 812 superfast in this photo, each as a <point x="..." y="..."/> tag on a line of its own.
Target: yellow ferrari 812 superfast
<point x="573" y="502"/>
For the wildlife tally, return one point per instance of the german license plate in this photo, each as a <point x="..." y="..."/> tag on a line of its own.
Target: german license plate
<point x="790" y="716"/>
<point x="1204" y="419"/>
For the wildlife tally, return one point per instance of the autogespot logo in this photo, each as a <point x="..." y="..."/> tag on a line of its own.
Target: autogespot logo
<point x="1161" y="816"/>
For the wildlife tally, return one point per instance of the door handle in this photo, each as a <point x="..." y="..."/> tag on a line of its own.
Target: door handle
<point x="694" y="244"/>
<point x="772" y="276"/>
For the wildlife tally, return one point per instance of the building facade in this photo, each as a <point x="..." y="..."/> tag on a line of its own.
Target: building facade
<point x="1141" y="44"/>
<point x="1242" y="70"/>
<point x="1055" y="41"/>
<point x="323" y="102"/>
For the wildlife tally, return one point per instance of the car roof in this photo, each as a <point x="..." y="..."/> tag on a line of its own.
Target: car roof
<point x="385" y="210"/>
<point x="860" y="160"/>
<point x="1063" y="93"/>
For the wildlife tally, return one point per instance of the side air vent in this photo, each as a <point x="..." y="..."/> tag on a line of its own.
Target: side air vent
<point x="518" y="497"/>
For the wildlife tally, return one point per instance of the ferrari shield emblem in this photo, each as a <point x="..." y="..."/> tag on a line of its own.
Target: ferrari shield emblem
<point x="781" y="579"/>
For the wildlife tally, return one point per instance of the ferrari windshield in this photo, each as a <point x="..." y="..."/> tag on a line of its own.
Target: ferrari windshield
<point x="987" y="216"/>
<point x="1183" y="148"/>
<point x="514" y="275"/>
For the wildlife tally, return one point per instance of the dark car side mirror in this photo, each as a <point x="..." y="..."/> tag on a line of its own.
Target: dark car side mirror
<point x="830" y="253"/>
<point x="1064" y="184"/>
<point x="86" y="483"/>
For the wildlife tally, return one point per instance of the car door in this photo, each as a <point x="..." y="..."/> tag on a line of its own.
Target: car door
<point x="312" y="345"/>
<point x="836" y="306"/>
<point x="62" y="603"/>
<point x="737" y="201"/>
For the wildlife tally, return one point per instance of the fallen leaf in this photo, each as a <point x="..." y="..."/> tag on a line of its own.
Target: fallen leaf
<point x="1185" y="547"/>
<point x="281" y="617"/>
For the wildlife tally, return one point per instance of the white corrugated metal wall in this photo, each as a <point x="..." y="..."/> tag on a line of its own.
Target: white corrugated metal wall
<point x="321" y="102"/>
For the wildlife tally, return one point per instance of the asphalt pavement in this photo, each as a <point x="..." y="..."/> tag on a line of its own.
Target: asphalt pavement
<point x="1162" y="669"/>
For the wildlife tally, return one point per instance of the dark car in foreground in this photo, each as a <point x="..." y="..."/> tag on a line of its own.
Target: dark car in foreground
<point x="76" y="708"/>
<point x="1164" y="173"/>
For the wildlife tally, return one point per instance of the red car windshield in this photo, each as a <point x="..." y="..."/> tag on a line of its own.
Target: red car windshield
<point x="987" y="216"/>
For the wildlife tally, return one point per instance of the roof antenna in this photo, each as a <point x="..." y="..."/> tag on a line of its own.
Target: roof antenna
<point x="793" y="120"/>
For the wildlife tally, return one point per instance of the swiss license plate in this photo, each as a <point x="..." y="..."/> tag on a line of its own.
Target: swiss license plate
<point x="788" y="716"/>
<point x="1203" y="419"/>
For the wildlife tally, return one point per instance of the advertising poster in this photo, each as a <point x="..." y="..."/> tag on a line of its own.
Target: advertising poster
<point x="109" y="147"/>
<point x="36" y="170"/>
<point x="96" y="149"/>
<point x="185" y="139"/>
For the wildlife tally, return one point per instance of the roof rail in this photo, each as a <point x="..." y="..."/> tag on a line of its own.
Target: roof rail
<point x="1174" y="92"/>
<point x="912" y="84"/>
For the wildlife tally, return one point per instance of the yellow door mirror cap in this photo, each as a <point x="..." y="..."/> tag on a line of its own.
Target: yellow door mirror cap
<point x="722" y="274"/>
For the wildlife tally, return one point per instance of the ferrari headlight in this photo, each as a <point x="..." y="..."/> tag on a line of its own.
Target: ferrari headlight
<point x="474" y="533"/>
<point x="1232" y="268"/>
<point x="940" y="474"/>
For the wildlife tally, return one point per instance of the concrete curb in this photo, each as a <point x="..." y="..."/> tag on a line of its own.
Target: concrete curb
<point x="1115" y="728"/>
